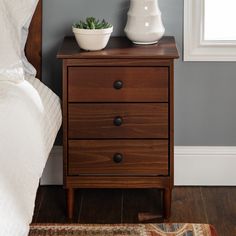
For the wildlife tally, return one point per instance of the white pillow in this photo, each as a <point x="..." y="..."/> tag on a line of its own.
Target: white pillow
<point x="14" y="15"/>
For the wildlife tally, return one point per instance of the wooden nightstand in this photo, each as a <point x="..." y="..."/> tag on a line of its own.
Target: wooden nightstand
<point x="118" y="117"/>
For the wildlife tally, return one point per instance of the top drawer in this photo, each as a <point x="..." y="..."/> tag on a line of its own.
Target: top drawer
<point x="118" y="84"/>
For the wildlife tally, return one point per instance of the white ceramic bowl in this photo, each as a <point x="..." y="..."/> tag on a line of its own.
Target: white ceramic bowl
<point x="92" y="39"/>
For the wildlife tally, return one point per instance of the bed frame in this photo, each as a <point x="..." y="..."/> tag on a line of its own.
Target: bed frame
<point x="34" y="43"/>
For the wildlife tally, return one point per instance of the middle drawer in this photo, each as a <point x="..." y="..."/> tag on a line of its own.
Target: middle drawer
<point x="117" y="120"/>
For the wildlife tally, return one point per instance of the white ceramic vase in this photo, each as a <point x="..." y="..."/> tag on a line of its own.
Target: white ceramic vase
<point x="144" y="24"/>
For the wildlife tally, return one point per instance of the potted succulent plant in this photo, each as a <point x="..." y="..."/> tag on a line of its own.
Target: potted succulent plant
<point x="92" y="34"/>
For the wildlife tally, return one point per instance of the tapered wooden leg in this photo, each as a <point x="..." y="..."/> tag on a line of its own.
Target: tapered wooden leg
<point x="70" y="202"/>
<point x="167" y="203"/>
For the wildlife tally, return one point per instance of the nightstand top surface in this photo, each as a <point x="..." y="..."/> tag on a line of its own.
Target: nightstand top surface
<point x="121" y="47"/>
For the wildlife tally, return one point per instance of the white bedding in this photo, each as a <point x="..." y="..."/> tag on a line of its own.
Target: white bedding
<point x="30" y="116"/>
<point x="15" y="17"/>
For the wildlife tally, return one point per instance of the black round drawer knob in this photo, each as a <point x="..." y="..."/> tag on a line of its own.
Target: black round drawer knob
<point x="118" y="121"/>
<point x="118" y="84"/>
<point x="117" y="158"/>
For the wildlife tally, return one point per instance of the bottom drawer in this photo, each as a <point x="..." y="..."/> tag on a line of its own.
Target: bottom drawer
<point x="118" y="157"/>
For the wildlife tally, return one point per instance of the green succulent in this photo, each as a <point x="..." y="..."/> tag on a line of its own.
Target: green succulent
<point x="92" y="23"/>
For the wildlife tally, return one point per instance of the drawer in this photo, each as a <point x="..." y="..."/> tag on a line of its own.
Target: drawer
<point x="118" y="84"/>
<point x="117" y="120"/>
<point x="113" y="157"/>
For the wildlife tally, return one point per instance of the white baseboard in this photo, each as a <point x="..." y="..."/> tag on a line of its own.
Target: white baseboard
<point x="205" y="166"/>
<point x="53" y="172"/>
<point x="194" y="166"/>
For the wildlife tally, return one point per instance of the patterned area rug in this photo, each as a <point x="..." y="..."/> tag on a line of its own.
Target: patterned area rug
<point x="122" y="230"/>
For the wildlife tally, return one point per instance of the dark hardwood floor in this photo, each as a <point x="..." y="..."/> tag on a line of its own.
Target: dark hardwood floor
<point x="213" y="205"/>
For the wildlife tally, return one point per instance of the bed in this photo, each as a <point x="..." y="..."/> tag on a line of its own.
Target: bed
<point x="30" y="117"/>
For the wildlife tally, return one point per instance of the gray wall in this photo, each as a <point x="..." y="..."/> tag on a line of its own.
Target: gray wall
<point x="205" y="98"/>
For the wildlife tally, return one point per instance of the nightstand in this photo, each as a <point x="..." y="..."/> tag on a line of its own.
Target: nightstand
<point x="118" y="117"/>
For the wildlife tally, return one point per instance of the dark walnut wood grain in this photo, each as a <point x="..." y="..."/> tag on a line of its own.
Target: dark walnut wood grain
<point x="98" y="120"/>
<point x="33" y="48"/>
<point x="120" y="47"/>
<point x="124" y="182"/>
<point x="139" y="157"/>
<point x="118" y="117"/>
<point x="99" y="84"/>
